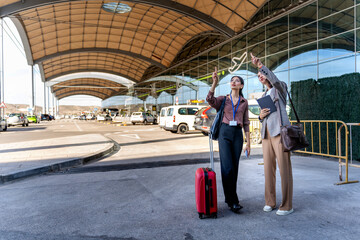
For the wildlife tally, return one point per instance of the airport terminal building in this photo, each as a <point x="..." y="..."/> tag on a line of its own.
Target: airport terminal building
<point x="312" y="41"/>
<point x="161" y="52"/>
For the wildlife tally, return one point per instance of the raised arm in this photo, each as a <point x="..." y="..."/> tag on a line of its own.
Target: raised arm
<point x="211" y="99"/>
<point x="279" y="85"/>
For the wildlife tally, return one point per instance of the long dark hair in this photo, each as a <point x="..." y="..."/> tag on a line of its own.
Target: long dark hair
<point x="242" y="82"/>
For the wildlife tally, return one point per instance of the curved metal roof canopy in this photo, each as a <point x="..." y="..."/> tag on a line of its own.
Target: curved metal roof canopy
<point x="66" y="37"/>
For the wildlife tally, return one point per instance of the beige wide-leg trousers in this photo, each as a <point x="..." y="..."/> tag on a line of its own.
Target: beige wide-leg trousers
<point x="272" y="150"/>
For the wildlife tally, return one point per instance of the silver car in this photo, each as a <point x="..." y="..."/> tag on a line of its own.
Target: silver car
<point x="17" y="119"/>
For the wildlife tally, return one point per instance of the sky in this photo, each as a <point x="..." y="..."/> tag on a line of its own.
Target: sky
<point x="17" y="75"/>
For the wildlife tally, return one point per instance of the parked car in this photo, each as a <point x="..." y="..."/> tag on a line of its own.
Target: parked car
<point x="45" y="117"/>
<point x="17" y="119"/>
<point x="90" y="117"/>
<point x="33" y="119"/>
<point x="142" y="117"/>
<point x="204" y="119"/>
<point x="180" y="118"/>
<point x="82" y="117"/>
<point x="119" y="118"/>
<point x="108" y="117"/>
<point x="101" y="117"/>
<point x="3" y="124"/>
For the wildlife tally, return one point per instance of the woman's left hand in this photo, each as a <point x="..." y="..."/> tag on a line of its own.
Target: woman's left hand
<point x="248" y="149"/>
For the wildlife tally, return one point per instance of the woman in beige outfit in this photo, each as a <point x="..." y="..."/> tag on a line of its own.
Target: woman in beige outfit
<point x="271" y="143"/>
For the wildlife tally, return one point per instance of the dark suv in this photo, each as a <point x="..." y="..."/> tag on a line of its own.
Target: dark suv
<point x="204" y="119"/>
<point x="45" y="117"/>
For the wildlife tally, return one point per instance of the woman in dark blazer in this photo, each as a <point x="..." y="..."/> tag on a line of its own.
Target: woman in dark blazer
<point x="235" y="118"/>
<point x="271" y="143"/>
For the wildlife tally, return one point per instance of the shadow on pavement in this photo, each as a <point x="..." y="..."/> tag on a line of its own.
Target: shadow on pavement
<point x="22" y="129"/>
<point x="51" y="147"/>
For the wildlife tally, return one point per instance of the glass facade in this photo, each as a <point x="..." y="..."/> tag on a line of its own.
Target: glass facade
<point x="315" y="41"/>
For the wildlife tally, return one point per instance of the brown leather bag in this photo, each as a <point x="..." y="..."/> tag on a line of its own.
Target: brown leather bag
<point x="292" y="136"/>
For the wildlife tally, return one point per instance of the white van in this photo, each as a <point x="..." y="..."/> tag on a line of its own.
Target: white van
<point x="180" y="118"/>
<point x="162" y="117"/>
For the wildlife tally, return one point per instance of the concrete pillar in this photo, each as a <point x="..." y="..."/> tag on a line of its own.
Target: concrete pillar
<point x="53" y="105"/>
<point x="48" y="100"/>
<point x="44" y="108"/>
<point x="57" y="107"/>
<point x="197" y="97"/>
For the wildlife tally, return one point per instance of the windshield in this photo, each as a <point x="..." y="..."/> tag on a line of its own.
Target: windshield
<point x="255" y="109"/>
<point x="14" y="114"/>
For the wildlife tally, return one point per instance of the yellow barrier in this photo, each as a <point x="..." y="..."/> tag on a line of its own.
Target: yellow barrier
<point x="255" y="131"/>
<point x="310" y="125"/>
<point x="338" y="150"/>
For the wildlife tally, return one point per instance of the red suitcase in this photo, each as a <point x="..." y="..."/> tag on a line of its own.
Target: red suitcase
<point x="205" y="189"/>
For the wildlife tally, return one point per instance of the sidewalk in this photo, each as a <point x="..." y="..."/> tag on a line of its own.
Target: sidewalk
<point x="24" y="159"/>
<point x="155" y="199"/>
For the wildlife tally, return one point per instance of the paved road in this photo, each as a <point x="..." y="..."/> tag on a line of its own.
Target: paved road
<point x="99" y="201"/>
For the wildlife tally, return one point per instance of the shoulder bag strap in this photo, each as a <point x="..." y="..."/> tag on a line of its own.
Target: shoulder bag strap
<point x="292" y="105"/>
<point x="278" y="106"/>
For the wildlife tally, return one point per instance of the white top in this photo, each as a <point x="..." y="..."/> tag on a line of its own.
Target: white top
<point x="269" y="91"/>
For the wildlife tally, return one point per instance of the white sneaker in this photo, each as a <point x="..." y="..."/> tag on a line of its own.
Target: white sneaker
<point x="284" y="212"/>
<point x="267" y="208"/>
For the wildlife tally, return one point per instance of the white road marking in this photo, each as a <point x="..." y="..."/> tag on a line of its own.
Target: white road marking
<point x="78" y="127"/>
<point x="131" y="136"/>
<point x="146" y="130"/>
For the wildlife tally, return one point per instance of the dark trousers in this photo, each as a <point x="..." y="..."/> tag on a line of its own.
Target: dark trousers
<point x="230" y="147"/>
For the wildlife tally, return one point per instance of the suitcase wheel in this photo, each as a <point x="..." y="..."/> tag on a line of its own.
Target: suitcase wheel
<point x="201" y="216"/>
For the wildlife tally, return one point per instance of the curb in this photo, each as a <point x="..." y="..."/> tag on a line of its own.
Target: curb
<point x="141" y="165"/>
<point x="74" y="162"/>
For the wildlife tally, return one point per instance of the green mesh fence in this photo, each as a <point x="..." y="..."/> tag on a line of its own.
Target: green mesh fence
<point x="333" y="98"/>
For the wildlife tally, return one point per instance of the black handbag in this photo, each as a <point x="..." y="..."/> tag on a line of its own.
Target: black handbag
<point x="215" y="127"/>
<point x="292" y="136"/>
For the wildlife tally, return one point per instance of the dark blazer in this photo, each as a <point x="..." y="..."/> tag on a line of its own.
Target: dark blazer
<point x="272" y="121"/>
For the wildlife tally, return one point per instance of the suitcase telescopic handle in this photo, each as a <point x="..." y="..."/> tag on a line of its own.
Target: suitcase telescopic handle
<point x="211" y="152"/>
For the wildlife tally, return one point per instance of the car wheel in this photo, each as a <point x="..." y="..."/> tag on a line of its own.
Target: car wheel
<point x="133" y="123"/>
<point x="27" y="124"/>
<point x="205" y="133"/>
<point x="23" y="124"/>
<point x="183" y="128"/>
<point x="173" y="131"/>
<point x="145" y="122"/>
<point x="5" y="128"/>
<point x="155" y="122"/>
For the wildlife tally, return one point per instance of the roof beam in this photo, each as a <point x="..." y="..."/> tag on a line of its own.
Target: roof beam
<point x="171" y="5"/>
<point x="190" y="12"/>
<point x="83" y="92"/>
<point x="172" y="79"/>
<point x="101" y="50"/>
<point x="88" y="70"/>
<point x="89" y="87"/>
